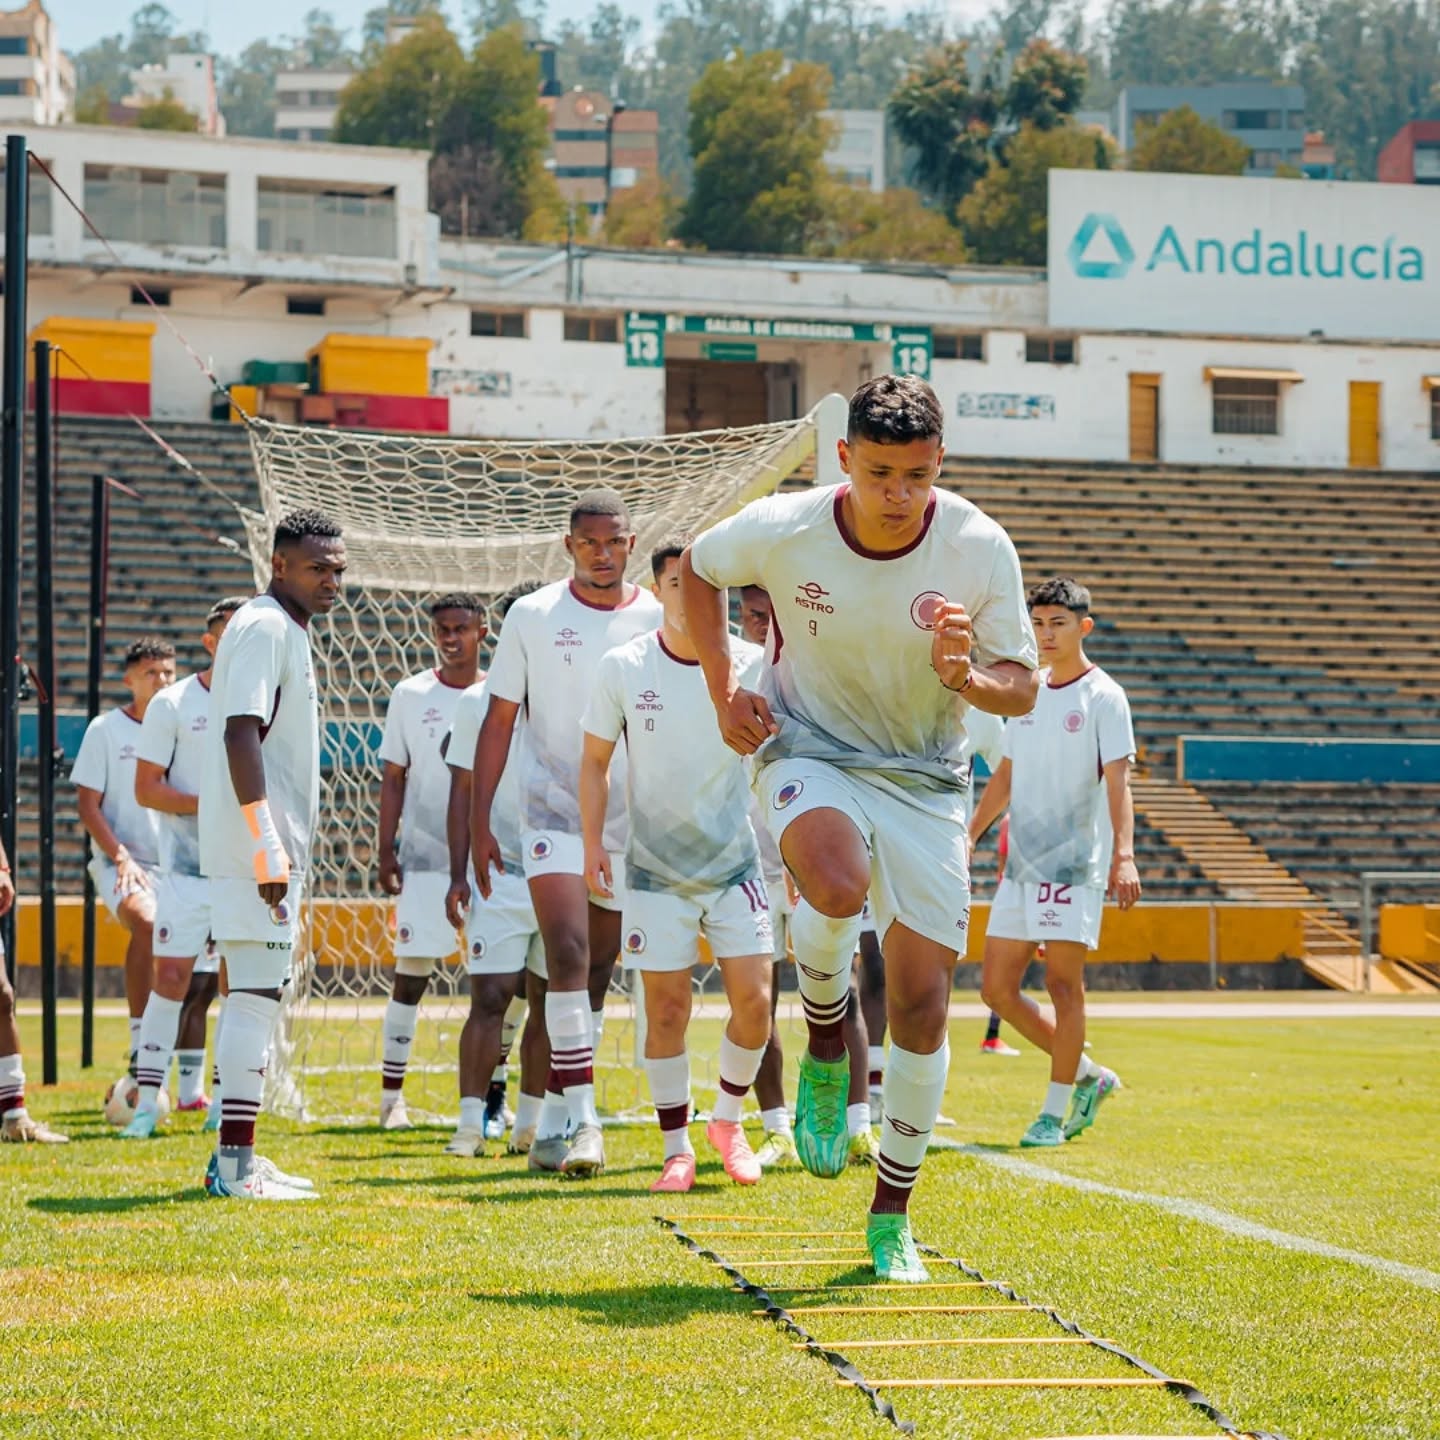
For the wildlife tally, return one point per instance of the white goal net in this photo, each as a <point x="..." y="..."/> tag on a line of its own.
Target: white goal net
<point x="423" y="516"/>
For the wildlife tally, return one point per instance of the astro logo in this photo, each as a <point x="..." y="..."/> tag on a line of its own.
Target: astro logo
<point x="811" y="596"/>
<point x="540" y="847"/>
<point x="648" y="700"/>
<point x="635" y="941"/>
<point x="1121" y="251"/>
<point x="788" y="793"/>
<point x="1075" y="722"/>
<point x="567" y="636"/>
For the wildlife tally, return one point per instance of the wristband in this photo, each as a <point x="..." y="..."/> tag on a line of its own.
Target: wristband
<point x="267" y="855"/>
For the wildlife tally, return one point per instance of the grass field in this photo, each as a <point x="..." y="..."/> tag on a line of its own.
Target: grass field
<point x="426" y="1296"/>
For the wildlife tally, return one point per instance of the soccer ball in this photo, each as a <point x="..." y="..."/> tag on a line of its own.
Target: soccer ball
<point x="120" y="1101"/>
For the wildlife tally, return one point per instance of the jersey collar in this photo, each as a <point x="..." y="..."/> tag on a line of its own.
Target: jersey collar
<point x="859" y="549"/>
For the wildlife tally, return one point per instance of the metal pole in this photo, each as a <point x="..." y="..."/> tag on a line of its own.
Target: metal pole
<point x="1367" y="924"/>
<point x="12" y="455"/>
<point x="1214" y="946"/>
<point x="99" y="566"/>
<point x="45" y="743"/>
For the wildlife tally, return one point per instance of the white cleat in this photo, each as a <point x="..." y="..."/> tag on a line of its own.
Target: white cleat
<point x="275" y="1175"/>
<point x="256" y="1187"/>
<point x="466" y="1141"/>
<point x="521" y="1141"/>
<point x="395" y="1116"/>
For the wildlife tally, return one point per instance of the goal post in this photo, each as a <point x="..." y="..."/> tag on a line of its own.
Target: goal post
<point x="422" y="516"/>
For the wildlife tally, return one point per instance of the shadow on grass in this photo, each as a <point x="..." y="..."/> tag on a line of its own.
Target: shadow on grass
<point x="422" y="1130"/>
<point x="636" y="1307"/>
<point x="109" y="1204"/>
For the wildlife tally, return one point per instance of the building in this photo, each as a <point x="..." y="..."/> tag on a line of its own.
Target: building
<point x="598" y="146"/>
<point x="37" y="80"/>
<point x="1269" y="118"/>
<point x="306" y="102"/>
<point x="857" y="151"/>
<point x="1412" y="155"/>
<point x="1317" y="159"/>
<point x="186" y="78"/>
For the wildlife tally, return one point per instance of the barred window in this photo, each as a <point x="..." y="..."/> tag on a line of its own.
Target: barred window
<point x="1246" y="407"/>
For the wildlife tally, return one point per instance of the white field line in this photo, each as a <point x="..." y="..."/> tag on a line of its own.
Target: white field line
<point x="1196" y="1210"/>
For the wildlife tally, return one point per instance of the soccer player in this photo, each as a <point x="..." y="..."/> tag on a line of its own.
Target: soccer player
<point x="1066" y="781"/>
<point x="168" y="766"/>
<point x="259" y="801"/>
<point x="546" y="659"/>
<point x="17" y="1125"/>
<point x="692" y="868"/>
<point x="505" y="955"/>
<point x="414" y="799"/>
<point x="126" y="835"/>
<point x="897" y="604"/>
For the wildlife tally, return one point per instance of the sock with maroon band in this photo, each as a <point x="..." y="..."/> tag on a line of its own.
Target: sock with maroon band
<point x="824" y="949"/>
<point x="248" y="1018"/>
<point x="738" y="1069"/>
<point x="158" y="1028"/>
<point x="914" y="1085"/>
<point x="399" y="1037"/>
<point x="670" y="1090"/>
<point x="12" y="1086"/>
<point x="572" y="1055"/>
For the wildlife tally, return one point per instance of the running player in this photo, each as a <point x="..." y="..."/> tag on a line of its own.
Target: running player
<point x="897" y="604"/>
<point x="17" y="1125"/>
<point x="259" y="802"/>
<point x="414" y="799"/>
<point x="549" y="649"/>
<point x="168" y="767"/>
<point x="505" y="955"/>
<point x="1066" y="781"/>
<point x="126" y="835"/>
<point x="692" y="868"/>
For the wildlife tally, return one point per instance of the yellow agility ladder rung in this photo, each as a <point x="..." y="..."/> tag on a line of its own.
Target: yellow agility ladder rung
<point x="1008" y="1383"/>
<point x="951" y="1340"/>
<point x="896" y="1309"/>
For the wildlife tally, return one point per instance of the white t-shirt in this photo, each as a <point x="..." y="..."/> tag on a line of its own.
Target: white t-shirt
<point x="460" y="755"/>
<point x="1060" y="831"/>
<point x="106" y="763"/>
<point x="417" y="720"/>
<point x="546" y="661"/>
<point x="262" y="668"/>
<point x="174" y="738"/>
<point x="749" y="662"/>
<point x="687" y="792"/>
<point x="850" y="680"/>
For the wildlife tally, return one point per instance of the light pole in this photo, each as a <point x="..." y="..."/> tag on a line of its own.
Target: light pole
<point x="617" y="107"/>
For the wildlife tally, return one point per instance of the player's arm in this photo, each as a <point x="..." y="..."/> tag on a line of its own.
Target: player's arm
<point x="7" y="883"/>
<point x="392" y="800"/>
<point x="1005" y="687"/>
<point x="90" y="777"/>
<point x="1124" y="884"/>
<point x="594" y="801"/>
<point x="457" y="838"/>
<point x="246" y="760"/>
<point x="153" y="758"/>
<point x="993" y="804"/>
<point x="492" y="750"/>
<point x="745" y="719"/>
<point x="155" y="792"/>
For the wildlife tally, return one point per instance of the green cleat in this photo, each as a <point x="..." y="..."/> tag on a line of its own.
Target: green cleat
<point x="821" y="1140"/>
<point x="865" y="1148"/>
<point x="892" y="1248"/>
<point x="1085" y="1103"/>
<point x="142" y="1125"/>
<point x="1044" y="1132"/>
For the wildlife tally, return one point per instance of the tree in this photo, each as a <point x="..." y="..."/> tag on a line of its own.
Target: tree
<point x="166" y="113"/>
<point x="406" y="94"/>
<point x="372" y="28"/>
<point x="641" y="217"/>
<point x="1046" y="86"/>
<point x="322" y="45"/>
<point x="1182" y="143"/>
<point x="107" y="63"/>
<point x="247" y="88"/>
<point x="1003" y="219"/>
<point x="758" y="142"/>
<point x="948" y="121"/>
<point x="894" y="226"/>
<point x="92" y="106"/>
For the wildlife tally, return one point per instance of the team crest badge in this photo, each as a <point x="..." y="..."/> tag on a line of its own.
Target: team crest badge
<point x="788" y="793"/>
<point x="406" y="934"/>
<point x="280" y="914"/>
<point x="477" y="949"/>
<point x="635" y="941"/>
<point x="924" y="607"/>
<point x="541" y="847"/>
<point x="163" y="933"/>
<point x="1075" y="722"/>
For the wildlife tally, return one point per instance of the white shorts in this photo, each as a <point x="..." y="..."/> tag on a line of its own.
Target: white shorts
<point x="1038" y="913"/>
<point x="554" y="852"/>
<point x="919" y="859"/>
<point x="182" y="916"/>
<point x="257" y="940"/>
<point x="102" y="872"/>
<point x="867" y="918"/>
<point x="662" y="931"/>
<point x="501" y="933"/>
<point x="421" y="930"/>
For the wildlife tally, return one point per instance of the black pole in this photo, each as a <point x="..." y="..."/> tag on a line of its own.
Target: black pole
<point x="99" y="563"/>
<point x="45" y="742"/>
<point x="12" y="454"/>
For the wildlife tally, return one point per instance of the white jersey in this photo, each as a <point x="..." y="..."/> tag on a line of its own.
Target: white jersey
<point x="850" y="680"/>
<point x="687" y="792"/>
<point x="1060" y="831"/>
<point x="460" y="755"/>
<point x="262" y="668"/>
<point x="749" y="662"/>
<point x="174" y="738"/>
<point x="106" y="763"/>
<point x="546" y="660"/>
<point x="417" y="720"/>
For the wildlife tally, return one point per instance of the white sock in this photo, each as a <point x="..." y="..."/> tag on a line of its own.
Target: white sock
<point x="1057" y="1099"/>
<point x="189" y="1075"/>
<point x="824" y="949"/>
<point x="527" y="1112"/>
<point x="472" y="1112"/>
<point x="776" y="1121"/>
<point x="135" y="1024"/>
<point x="738" y="1069"/>
<point x="215" y="1054"/>
<point x="670" y="1090"/>
<point x="572" y="1056"/>
<point x="509" y="1028"/>
<point x="1086" y="1070"/>
<point x="857" y="1118"/>
<point x="553" y="1118"/>
<point x="399" y="1037"/>
<point x="154" y="1042"/>
<point x="12" y="1086"/>
<point x="876" y="1062"/>
<point x="597" y="1029"/>
<point x="248" y="1021"/>
<point x="914" y="1085"/>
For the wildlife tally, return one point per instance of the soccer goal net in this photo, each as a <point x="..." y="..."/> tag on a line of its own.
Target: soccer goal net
<point x="423" y="516"/>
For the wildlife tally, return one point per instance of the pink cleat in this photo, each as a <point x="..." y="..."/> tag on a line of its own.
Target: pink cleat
<point x="677" y="1176"/>
<point x="729" y="1138"/>
<point x="200" y="1102"/>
